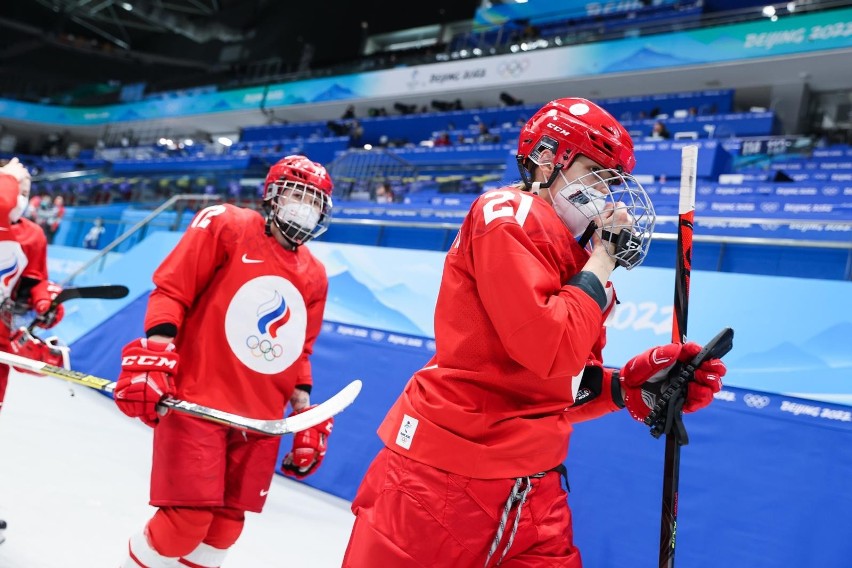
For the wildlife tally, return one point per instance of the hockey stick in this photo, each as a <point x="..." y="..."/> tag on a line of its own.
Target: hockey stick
<point x="104" y="292"/>
<point x="676" y="437"/>
<point x="297" y="423"/>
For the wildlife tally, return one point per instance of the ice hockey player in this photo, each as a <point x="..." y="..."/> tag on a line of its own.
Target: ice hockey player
<point x="474" y="446"/>
<point x="23" y="269"/>
<point x="231" y="324"/>
<point x="23" y="264"/>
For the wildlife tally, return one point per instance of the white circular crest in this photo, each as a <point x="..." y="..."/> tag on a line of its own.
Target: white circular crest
<point x="579" y="109"/>
<point x="265" y="324"/>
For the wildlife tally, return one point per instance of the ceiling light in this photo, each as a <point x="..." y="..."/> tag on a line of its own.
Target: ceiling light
<point x="127" y="6"/>
<point x="769" y="11"/>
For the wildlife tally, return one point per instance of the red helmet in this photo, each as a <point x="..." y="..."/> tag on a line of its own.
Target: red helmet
<point x="298" y="169"/>
<point x="297" y="193"/>
<point x="572" y="126"/>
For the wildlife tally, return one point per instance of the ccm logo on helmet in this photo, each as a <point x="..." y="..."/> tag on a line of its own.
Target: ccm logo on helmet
<point x="148" y="360"/>
<point x="557" y="128"/>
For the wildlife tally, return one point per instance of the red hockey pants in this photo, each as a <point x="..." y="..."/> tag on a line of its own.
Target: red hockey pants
<point x="409" y="514"/>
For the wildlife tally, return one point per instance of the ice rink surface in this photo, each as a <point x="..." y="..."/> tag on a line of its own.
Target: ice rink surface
<point x="74" y="486"/>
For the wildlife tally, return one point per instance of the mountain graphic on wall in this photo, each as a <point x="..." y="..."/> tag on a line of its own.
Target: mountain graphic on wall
<point x="335" y="93"/>
<point x="783" y="357"/>
<point x="401" y="297"/>
<point x="351" y="302"/>
<point x="832" y="345"/>
<point x="646" y="58"/>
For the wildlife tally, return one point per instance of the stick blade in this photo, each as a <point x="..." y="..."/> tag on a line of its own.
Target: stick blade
<point x="324" y="411"/>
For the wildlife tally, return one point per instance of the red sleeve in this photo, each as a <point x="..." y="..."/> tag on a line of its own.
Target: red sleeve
<point x="8" y="200"/>
<point x="601" y="405"/>
<point x="316" y="308"/>
<point x="36" y="252"/>
<point x="544" y="326"/>
<point x="188" y="269"/>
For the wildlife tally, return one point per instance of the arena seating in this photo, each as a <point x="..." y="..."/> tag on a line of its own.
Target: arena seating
<point x="802" y="194"/>
<point x="573" y="25"/>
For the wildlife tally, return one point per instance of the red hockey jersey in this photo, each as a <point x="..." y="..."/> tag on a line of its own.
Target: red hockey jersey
<point x="32" y="240"/>
<point x="512" y="342"/>
<point x="247" y="311"/>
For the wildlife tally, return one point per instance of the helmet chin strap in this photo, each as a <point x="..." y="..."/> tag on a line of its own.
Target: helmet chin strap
<point x="587" y="234"/>
<point x="536" y="186"/>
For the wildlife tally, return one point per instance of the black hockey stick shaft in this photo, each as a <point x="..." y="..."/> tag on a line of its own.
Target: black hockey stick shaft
<point x="683" y="267"/>
<point x="103" y="292"/>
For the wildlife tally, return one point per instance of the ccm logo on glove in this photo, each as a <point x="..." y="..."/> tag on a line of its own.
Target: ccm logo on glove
<point x="147" y="375"/>
<point x="149" y="361"/>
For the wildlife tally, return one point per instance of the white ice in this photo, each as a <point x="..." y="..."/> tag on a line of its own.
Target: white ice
<point x="74" y="487"/>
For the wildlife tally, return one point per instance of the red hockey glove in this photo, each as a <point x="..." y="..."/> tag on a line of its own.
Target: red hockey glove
<point x="51" y="350"/>
<point x="645" y="377"/>
<point x="308" y="449"/>
<point x="41" y="298"/>
<point x="147" y="375"/>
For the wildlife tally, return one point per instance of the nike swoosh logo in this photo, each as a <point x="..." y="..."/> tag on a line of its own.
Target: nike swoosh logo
<point x="248" y="260"/>
<point x="264" y="492"/>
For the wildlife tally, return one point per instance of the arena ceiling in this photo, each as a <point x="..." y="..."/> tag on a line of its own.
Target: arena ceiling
<point x="67" y="42"/>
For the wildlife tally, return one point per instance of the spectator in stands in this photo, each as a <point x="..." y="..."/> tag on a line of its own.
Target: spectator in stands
<point x="31" y="212"/>
<point x="508" y="100"/>
<point x="485" y="136"/>
<point x="356" y="133"/>
<point x="443" y="139"/>
<point x="44" y="211"/>
<point x="92" y="240"/>
<point x="660" y="131"/>
<point x="384" y="193"/>
<point x="57" y="212"/>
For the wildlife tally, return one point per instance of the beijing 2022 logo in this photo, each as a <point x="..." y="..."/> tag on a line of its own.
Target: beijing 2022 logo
<point x="265" y="324"/>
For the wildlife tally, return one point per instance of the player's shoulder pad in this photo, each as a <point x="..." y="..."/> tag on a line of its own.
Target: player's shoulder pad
<point x="507" y="205"/>
<point x="216" y="217"/>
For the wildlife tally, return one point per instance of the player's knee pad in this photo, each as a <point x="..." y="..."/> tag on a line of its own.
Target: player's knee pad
<point x="226" y="527"/>
<point x="177" y="531"/>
